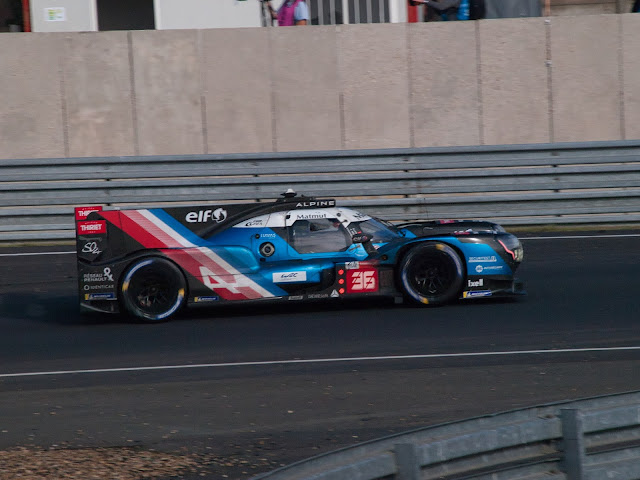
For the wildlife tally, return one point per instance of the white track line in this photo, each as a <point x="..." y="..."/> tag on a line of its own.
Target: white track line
<point x="564" y="237"/>
<point x="33" y="254"/>
<point x="319" y="361"/>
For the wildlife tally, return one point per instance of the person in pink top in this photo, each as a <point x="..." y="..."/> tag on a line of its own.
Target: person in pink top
<point x="291" y="12"/>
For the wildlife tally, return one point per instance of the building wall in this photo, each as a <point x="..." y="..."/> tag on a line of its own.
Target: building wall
<point x="588" y="7"/>
<point x="81" y="15"/>
<point x="177" y="14"/>
<point x="63" y="15"/>
<point x="504" y="81"/>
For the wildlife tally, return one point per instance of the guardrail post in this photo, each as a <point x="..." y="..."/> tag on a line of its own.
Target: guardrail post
<point x="573" y="439"/>
<point x="407" y="461"/>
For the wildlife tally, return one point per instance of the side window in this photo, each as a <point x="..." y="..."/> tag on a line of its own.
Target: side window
<point x="319" y="235"/>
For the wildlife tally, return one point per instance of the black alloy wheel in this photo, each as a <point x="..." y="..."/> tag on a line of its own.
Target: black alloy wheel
<point x="432" y="273"/>
<point x="153" y="289"/>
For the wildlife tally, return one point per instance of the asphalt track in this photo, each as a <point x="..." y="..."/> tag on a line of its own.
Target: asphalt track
<point x="288" y="382"/>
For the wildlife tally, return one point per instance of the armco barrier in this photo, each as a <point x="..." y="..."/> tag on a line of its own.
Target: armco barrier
<point x="596" y="182"/>
<point x="592" y="439"/>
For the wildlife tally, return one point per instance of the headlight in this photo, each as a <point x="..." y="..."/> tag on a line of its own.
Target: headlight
<point x="512" y="246"/>
<point x="519" y="254"/>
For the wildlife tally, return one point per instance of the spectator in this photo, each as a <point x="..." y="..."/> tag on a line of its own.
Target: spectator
<point x="440" y="9"/>
<point x="291" y="12"/>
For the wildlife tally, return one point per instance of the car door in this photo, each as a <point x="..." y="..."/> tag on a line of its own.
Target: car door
<point x="317" y="240"/>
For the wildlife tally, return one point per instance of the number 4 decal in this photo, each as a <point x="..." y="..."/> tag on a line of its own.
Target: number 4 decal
<point x="225" y="282"/>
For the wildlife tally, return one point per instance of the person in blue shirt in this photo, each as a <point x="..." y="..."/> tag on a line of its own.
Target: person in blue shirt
<point x="440" y="9"/>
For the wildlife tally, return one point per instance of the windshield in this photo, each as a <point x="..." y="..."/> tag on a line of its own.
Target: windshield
<point x="379" y="231"/>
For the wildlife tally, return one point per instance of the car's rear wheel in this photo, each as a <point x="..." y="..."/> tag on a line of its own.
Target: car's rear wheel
<point x="153" y="289"/>
<point x="432" y="273"/>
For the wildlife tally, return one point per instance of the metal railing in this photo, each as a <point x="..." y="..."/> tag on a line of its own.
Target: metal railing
<point x="543" y="184"/>
<point x="592" y="439"/>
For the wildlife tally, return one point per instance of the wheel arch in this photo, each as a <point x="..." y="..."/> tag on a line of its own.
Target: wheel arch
<point x="129" y="262"/>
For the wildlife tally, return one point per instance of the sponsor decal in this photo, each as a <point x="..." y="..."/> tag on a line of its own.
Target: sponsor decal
<point x="475" y="283"/>
<point x="480" y="268"/>
<point x="254" y="223"/>
<point x="211" y="298"/>
<point x="335" y="294"/>
<point x="352" y="265"/>
<point x="478" y="293"/>
<point x="202" y="216"/>
<point x="486" y="258"/>
<point x="317" y="203"/>
<point x="288" y="277"/>
<point x="318" y="295"/>
<point x="267" y="235"/>
<point x="104" y="276"/>
<point x="310" y="216"/>
<point x="92" y="227"/>
<point x="91" y="247"/>
<point x="362" y="280"/>
<point x="296" y="297"/>
<point x="102" y="286"/>
<point x="99" y="296"/>
<point x="360" y="216"/>
<point x="83" y="212"/>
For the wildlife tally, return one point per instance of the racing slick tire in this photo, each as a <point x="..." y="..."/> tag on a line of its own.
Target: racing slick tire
<point x="432" y="273"/>
<point x="153" y="289"/>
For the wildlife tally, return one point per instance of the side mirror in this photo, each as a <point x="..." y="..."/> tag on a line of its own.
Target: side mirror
<point x="365" y="240"/>
<point x="360" y="238"/>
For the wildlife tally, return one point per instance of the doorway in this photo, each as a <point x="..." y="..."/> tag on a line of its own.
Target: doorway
<point x="12" y="17"/>
<point x="126" y="15"/>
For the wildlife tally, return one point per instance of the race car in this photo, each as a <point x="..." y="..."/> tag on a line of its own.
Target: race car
<point x="150" y="263"/>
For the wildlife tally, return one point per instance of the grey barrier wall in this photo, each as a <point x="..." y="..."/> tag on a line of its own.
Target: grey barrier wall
<point x="559" y="184"/>
<point x="592" y="439"/>
<point x="175" y="92"/>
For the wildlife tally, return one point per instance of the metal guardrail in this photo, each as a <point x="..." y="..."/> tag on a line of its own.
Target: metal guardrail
<point x="596" y="182"/>
<point x="592" y="439"/>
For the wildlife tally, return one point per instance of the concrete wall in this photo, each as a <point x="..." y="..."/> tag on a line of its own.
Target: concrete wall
<point x="503" y="81"/>
<point x="444" y="102"/>
<point x="586" y="86"/>
<point x="96" y="74"/>
<point x="514" y="82"/>
<point x="31" y="117"/>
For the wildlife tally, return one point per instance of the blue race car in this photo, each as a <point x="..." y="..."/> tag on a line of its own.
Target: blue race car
<point x="151" y="263"/>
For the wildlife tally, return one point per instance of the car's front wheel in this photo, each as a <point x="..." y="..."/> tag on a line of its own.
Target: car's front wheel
<point x="432" y="273"/>
<point x="153" y="289"/>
